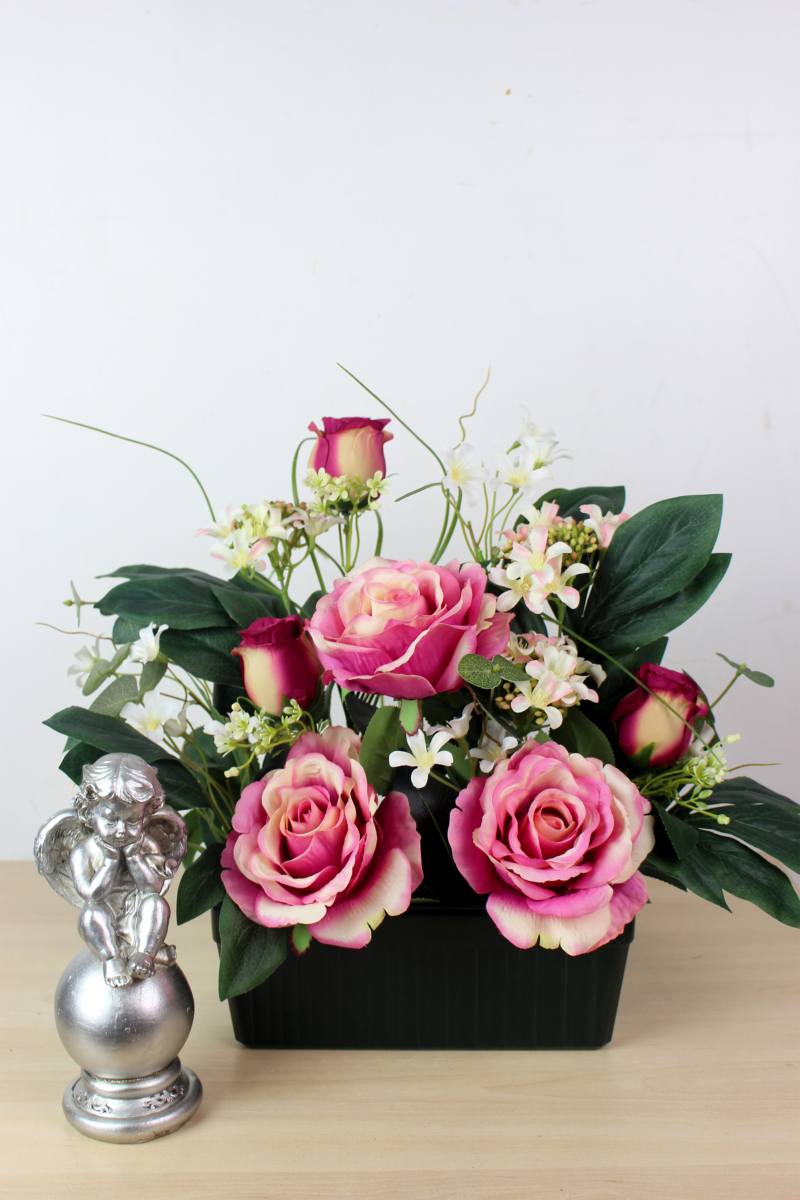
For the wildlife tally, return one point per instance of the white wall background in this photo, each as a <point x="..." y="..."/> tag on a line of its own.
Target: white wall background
<point x="207" y="203"/>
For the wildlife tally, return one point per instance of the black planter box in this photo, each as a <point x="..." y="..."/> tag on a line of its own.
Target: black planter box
<point x="435" y="979"/>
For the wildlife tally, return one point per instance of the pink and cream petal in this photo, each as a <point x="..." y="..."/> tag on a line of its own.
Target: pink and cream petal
<point x="350" y="920"/>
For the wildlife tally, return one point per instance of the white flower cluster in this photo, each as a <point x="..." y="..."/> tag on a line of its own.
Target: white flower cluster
<point x="524" y="468"/>
<point x="332" y="490"/>
<point x="245" y="537"/>
<point x="558" y="678"/>
<point x="257" y="733"/>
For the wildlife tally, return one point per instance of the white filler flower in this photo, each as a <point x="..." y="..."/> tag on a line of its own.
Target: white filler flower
<point x="423" y="757"/>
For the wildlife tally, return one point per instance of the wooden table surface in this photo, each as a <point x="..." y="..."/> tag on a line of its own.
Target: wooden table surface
<point x="695" y="1098"/>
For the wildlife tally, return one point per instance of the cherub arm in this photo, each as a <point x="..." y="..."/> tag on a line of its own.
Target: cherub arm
<point x="141" y="867"/>
<point x="93" y="885"/>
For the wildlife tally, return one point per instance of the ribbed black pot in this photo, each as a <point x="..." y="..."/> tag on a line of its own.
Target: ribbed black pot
<point x="433" y="979"/>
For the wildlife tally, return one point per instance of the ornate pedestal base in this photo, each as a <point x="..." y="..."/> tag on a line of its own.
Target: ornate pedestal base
<point x="133" y="1110"/>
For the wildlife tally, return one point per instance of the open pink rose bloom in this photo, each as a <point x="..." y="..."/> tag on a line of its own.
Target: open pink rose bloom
<point x="311" y="844"/>
<point x="556" y="840"/>
<point x="401" y="628"/>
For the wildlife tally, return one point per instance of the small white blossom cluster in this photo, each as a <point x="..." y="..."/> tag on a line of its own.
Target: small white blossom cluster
<point x="245" y="537"/>
<point x="257" y="733"/>
<point x="330" y="491"/>
<point x="558" y="678"/>
<point x="524" y="468"/>
<point x="709" y="764"/>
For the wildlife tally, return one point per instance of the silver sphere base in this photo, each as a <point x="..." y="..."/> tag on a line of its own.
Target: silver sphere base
<point x="133" y="1110"/>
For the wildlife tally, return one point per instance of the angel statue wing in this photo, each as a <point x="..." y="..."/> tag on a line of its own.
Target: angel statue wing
<point x="54" y="843"/>
<point x="168" y="829"/>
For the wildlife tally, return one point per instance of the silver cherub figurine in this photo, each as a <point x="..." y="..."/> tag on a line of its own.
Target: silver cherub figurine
<point x="114" y="855"/>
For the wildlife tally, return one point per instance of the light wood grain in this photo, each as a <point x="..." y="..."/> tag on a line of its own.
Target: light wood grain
<point x="696" y="1098"/>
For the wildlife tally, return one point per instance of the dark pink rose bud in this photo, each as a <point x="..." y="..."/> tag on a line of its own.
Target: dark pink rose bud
<point x="641" y="718"/>
<point x="350" y="446"/>
<point x="278" y="660"/>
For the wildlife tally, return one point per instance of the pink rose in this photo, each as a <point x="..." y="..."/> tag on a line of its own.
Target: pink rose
<point x="401" y="628"/>
<point x="313" y="845"/>
<point x="555" y="839"/>
<point x="278" y="660"/>
<point x="641" y="718"/>
<point x="350" y="446"/>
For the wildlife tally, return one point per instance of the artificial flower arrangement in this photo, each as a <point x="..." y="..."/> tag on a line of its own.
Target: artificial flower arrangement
<point x="506" y="734"/>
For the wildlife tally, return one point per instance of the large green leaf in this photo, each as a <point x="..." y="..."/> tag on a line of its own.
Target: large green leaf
<point x="384" y="734"/>
<point x="652" y="556"/>
<point x="249" y="953"/>
<point x="146" y="569"/>
<point x="152" y="674"/>
<point x="683" y="837"/>
<point x="76" y="758"/>
<point x="112" y="735"/>
<point x="693" y="872"/>
<point x="743" y="873"/>
<point x="759" y="817"/>
<point x="524" y="621"/>
<point x="569" y="500"/>
<point x="205" y="653"/>
<point x="579" y="735"/>
<point x="125" y="631"/>
<point x="201" y="885"/>
<point x="649" y="623"/>
<point x="359" y="712"/>
<point x="244" y="608"/>
<point x="181" y="787"/>
<point x="182" y="601"/>
<point x="113" y="699"/>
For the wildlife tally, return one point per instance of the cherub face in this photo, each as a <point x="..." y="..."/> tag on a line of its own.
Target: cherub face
<point x="117" y="822"/>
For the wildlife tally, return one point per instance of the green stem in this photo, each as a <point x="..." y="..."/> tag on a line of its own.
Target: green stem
<point x="725" y="690"/>
<point x="313" y="557"/>
<point x="379" y="539"/>
<point x="135" y="442"/>
<point x="295" y="494"/>
<point x="571" y="633"/>
<point x="335" y="561"/>
<point x="394" y="414"/>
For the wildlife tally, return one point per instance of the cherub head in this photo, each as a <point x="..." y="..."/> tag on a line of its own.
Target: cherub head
<point x="117" y="797"/>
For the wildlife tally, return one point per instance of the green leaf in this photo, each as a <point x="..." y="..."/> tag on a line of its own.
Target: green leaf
<point x="146" y="570"/>
<point x="651" y="870"/>
<point x="610" y="499"/>
<point x="300" y="938"/>
<point x="648" y="623"/>
<point x="681" y="834"/>
<point x="482" y="673"/>
<point x="640" y="761"/>
<point x="249" y="953"/>
<point x="384" y="735"/>
<point x="524" y="621"/>
<point x="181" y="600"/>
<point x="310" y="606"/>
<point x="181" y="787"/>
<point x="579" y="735"/>
<point x="201" y="885"/>
<point x="653" y="555"/>
<point x="152" y="674"/>
<point x="111" y="735"/>
<point x="461" y="770"/>
<point x="125" y="631"/>
<point x="76" y="759"/>
<point x="246" y="607"/>
<point x="115" y="697"/>
<point x="693" y="872"/>
<point x="205" y="653"/>
<point x="754" y="676"/>
<point x="360" y="712"/>
<point x="759" y="817"/>
<point x="411" y="716"/>
<point x="95" y="678"/>
<point x="747" y="875"/>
